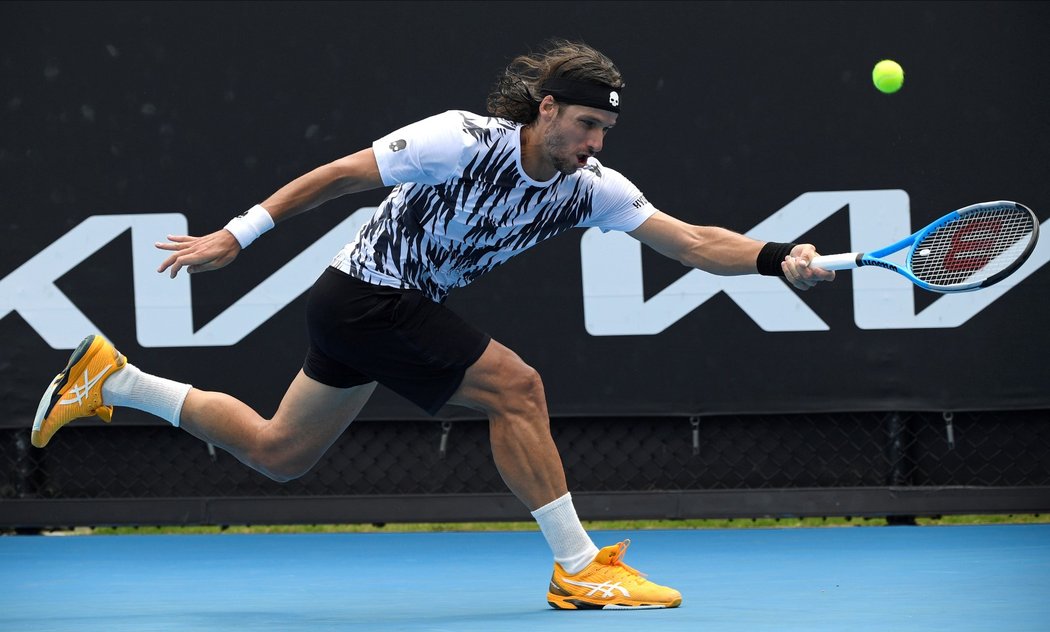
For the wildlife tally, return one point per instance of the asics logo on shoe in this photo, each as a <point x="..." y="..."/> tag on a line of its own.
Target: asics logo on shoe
<point x="606" y="589"/>
<point x="80" y="391"/>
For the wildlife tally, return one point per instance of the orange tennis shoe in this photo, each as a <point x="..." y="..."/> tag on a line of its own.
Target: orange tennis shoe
<point x="77" y="391"/>
<point x="608" y="584"/>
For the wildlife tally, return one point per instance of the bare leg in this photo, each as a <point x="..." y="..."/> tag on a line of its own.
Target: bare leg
<point x="308" y="421"/>
<point x="511" y="393"/>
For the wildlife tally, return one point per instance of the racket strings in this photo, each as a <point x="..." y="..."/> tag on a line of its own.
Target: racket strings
<point x="973" y="247"/>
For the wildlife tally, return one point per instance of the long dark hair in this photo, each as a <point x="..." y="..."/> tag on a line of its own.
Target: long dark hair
<point x="516" y="95"/>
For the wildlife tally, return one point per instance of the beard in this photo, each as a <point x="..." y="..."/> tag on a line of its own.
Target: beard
<point x="554" y="144"/>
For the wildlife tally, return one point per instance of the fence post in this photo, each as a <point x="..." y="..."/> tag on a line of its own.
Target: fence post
<point x="896" y="455"/>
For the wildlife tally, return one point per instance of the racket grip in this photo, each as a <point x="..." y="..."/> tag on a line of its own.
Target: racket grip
<point x="845" y="261"/>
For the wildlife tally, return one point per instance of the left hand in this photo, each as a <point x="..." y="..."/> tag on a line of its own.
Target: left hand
<point x="797" y="271"/>
<point x="199" y="254"/>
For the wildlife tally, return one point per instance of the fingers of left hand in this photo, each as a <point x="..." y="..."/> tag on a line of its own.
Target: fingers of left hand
<point x="798" y="272"/>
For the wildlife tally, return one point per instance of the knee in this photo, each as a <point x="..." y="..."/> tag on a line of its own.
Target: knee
<point x="522" y="391"/>
<point x="283" y="470"/>
<point x="282" y="474"/>
<point x="280" y="460"/>
<point x="502" y="385"/>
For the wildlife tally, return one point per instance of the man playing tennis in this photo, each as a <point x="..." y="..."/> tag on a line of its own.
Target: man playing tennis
<point x="469" y="193"/>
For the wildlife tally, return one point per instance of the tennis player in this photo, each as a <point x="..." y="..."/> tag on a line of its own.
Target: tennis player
<point x="469" y="192"/>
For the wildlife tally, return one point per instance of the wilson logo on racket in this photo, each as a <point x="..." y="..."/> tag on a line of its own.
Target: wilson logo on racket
<point x="877" y="263"/>
<point x="972" y="245"/>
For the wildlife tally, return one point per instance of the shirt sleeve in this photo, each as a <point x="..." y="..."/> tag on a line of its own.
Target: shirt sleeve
<point x="618" y="204"/>
<point x="425" y="152"/>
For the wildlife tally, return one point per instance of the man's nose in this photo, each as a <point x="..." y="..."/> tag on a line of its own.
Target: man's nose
<point x="595" y="142"/>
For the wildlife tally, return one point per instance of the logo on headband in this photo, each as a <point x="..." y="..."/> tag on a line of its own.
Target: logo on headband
<point x="614" y="99"/>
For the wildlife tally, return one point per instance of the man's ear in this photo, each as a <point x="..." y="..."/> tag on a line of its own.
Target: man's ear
<point x="548" y="107"/>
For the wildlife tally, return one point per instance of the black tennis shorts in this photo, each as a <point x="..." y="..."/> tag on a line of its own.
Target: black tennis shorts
<point x="361" y="333"/>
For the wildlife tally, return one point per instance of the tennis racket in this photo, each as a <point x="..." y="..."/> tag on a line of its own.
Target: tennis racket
<point x="965" y="250"/>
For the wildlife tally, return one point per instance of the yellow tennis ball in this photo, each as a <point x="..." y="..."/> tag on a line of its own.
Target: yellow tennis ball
<point x="888" y="76"/>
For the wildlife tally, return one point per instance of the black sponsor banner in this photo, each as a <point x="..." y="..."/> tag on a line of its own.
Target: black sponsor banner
<point x="124" y="122"/>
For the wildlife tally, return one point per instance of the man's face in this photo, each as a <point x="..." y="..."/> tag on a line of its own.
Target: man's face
<point x="576" y="133"/>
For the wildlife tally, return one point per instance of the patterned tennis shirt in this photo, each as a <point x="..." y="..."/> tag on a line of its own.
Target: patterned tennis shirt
<point x="462" y="204"/>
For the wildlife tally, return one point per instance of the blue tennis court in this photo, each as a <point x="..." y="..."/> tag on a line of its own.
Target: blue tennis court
<point x="871" y="578"/>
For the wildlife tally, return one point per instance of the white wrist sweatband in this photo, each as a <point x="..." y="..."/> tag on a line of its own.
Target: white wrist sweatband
<point x="249" y="225"/>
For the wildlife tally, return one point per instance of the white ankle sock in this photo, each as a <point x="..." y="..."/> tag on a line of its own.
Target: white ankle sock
<point x="572" y="547"/>
<point x="132" y="388"/>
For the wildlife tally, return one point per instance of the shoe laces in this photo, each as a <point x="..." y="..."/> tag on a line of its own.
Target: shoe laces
<point x="616" y="558"/>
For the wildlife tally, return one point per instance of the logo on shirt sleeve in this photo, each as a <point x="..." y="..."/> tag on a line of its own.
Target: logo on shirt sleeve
<point x="398" y="145"/>
<point x="640" y="202"/>
<point x="594" y="169"/>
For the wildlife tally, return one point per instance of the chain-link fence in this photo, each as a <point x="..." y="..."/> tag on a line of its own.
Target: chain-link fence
<point x="391" y="460"/>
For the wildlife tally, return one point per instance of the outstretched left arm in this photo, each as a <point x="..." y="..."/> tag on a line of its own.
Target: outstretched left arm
<point x="720" y="251"/>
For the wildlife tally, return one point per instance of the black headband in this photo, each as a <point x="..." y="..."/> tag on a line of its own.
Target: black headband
<point x="593" y="95"/>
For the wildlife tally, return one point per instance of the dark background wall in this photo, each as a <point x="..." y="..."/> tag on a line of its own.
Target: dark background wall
<point x="732" y="110"/>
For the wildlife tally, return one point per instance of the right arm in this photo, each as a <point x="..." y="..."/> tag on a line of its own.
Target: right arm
<point x="351" y="174"/>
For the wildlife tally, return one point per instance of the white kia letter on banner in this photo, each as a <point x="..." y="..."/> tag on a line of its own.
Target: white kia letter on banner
<point x="163" y="306"/>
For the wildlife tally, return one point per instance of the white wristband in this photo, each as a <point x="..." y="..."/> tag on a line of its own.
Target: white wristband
<point x="249" y="225"/>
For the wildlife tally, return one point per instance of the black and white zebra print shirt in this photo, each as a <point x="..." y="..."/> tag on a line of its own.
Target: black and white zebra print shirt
<point x="463" y="204"/>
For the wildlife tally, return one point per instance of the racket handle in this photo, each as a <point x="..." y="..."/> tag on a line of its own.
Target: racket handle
<point x="845" y="261"/>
